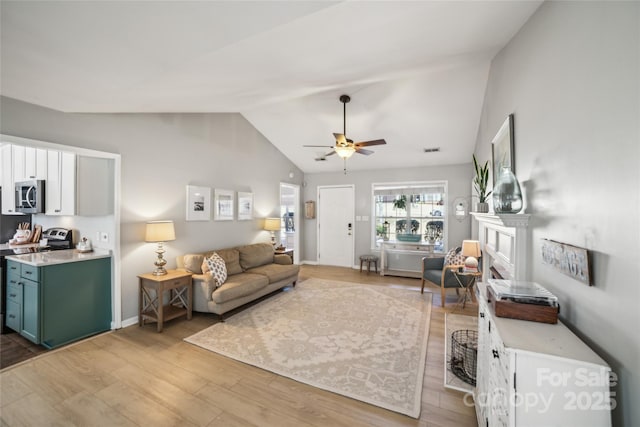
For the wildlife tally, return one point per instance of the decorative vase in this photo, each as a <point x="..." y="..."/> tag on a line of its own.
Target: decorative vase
<point x="507" y="196"/>
<point x="482" y="207"/>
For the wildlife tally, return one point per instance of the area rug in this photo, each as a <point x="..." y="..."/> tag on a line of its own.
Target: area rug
<point x="456" y="322"/>
<point x="365" y="342"/>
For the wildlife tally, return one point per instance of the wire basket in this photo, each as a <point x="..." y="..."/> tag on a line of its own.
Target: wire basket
<point x="464" y="355"/>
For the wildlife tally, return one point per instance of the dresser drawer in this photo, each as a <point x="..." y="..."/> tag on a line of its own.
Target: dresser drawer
<point x="14" y="291"/>
<point x="29" y="272"/>
<point x="13" y="267"/>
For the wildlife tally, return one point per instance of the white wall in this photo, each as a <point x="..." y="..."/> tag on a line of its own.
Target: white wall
<point x="458" y="176"/>
<point x="161" y="154"/>
<point x="571" y="77"/>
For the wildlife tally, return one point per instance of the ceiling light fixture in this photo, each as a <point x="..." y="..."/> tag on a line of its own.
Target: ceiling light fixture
<point x="345" y="152"/>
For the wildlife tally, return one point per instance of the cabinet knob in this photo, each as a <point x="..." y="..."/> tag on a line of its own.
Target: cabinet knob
<point x="28" y="272"/>
<point x="56" y="210"/>
<point x="20" y="283"/>
<point x="13" y="295"/>
<point x="496" y="355"/>
<point x="12" y="316"/>
<point x="482" y="315"/>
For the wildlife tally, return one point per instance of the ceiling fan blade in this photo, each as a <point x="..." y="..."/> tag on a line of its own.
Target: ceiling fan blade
<point x="363" y="151"/>
<point x="340" y="138"/>
<point x="368" y="143"/>
<point x="330" y="153"/>
<point x="320" y="146"/>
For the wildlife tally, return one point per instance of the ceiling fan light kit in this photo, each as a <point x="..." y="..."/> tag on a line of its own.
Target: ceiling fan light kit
<point x="344" y="146"/>
<point x="345" y="152"/>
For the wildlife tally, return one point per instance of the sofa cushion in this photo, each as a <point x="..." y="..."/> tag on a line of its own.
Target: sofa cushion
<point x="255" y="255"/>
<point x="276" y="272"/>
<point x="193" y="263"/>
<point x="231" y="258"/>
<point x="217" y="268"/>
<point x="239" y="285"/>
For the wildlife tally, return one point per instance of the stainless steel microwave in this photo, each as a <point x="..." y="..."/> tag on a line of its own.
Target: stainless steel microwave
<point x="30" y="196"/>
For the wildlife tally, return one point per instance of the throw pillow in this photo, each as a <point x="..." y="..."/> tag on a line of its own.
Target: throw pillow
<point x="217" y="269"/>
<point x="454" y="257"/>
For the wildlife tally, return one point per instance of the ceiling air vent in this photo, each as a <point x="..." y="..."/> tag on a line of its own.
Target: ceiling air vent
<point x="432" y="150"/>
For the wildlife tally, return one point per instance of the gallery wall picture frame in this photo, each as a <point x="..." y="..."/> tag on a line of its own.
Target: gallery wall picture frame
<point x="198" y="203"/>
<point x="223" y="205"/>
<point x="245" y="206"/>
<point x="502" y="149"/>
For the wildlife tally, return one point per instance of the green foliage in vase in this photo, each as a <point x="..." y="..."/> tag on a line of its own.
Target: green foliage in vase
<point x="481" y="180"/>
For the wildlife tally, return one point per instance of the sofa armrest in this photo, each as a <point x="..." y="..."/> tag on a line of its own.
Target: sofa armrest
<point x="204" y="284"/>
<point x="283" y="259"/>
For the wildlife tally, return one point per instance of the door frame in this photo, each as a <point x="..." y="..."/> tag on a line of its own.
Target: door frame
<point x="296" y="218"/>
<point x="319" y="209"/>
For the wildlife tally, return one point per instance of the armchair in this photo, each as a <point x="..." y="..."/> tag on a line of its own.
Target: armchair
<point x="434" y="270"/>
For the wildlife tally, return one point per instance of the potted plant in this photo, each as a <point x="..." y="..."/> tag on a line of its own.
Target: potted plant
<point x="480" y="184"/>
<point x="400" y="203"/>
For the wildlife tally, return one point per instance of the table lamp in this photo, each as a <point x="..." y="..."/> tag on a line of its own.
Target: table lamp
<point x="471" y="250"/>
<point x="160" y="232"/>
<point x="272" y="225"/>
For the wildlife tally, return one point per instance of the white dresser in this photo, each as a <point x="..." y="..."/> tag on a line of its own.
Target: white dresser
<point x="537" y="374"/>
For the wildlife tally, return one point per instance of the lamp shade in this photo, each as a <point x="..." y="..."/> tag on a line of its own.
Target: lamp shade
<point x="272" y="224"/>
<point x="471" y="248"/>
<point x="160" y="231"/>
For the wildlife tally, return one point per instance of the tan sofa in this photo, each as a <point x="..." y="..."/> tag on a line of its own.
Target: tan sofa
<point x="253" y="271"/>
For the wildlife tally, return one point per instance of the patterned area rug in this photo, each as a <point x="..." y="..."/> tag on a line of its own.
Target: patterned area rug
<point x="366" y="342"/>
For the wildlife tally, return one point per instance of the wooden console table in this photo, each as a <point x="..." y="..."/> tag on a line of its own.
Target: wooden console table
<point x="151" y="304"/>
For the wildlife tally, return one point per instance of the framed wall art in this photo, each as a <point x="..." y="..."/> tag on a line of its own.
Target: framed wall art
<point x="198" y="203"/>
<point x="245" y="206"/>
<point x="223" y="203"/>
<point x="502" y="149"/>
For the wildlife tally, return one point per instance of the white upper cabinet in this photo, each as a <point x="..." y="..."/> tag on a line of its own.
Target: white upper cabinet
<point x="35" y="163"/>
<point x="61" y="183"/>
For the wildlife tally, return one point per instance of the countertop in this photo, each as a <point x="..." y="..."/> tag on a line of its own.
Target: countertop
<point x="43" y="259"/>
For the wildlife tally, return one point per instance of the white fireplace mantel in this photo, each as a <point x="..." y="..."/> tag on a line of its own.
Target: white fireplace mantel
<point x="504" y="239"/>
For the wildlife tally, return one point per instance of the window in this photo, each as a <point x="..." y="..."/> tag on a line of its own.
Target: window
<point x="413" y="212"/>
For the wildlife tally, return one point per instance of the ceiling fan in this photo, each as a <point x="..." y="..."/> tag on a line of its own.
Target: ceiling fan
<point x="345" y="147"/>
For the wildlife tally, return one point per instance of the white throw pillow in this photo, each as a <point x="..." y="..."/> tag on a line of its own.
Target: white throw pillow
<point x="217" y="268"/>
<point x="454" y="257"/>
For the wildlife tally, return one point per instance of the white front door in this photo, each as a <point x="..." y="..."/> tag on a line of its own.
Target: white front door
<point x="336" y="225"/>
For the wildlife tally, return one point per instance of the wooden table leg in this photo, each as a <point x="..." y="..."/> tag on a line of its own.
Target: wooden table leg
<point x="160" y="301"/>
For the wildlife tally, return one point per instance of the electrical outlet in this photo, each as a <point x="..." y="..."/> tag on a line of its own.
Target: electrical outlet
<point x="104" y="237"/>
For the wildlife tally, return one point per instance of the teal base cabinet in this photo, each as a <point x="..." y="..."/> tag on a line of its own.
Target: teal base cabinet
<point x="60" y="303"/>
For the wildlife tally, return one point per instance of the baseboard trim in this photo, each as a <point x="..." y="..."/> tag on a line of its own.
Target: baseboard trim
<point x="306" y="261"/>
<point x="130" y="321"/>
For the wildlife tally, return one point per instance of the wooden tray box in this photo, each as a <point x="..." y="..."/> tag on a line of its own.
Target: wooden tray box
<point x="515" y="310"/>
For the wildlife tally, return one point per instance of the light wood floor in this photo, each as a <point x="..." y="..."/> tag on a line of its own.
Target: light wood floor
<point x="137" y="377"/>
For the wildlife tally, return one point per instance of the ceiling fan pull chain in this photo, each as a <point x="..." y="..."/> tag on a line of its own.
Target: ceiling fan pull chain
<point x="345" y="165"/>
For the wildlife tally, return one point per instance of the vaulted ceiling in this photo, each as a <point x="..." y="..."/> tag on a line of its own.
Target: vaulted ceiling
<point x="416" y="71"/>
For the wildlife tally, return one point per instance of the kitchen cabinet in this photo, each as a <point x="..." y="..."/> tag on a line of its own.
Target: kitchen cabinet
<point x="57" y="302"/>
<point x="61" y="183"/>
<point x="94" y="186"/>
<point x="531" y="374"/>
<point x="35" y="163"/>
<point x="23" y="298"/>
<point x="8" y="154"/>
